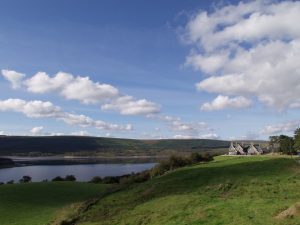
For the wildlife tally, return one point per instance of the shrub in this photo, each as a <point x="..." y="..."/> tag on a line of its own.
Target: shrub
<point x="1" y="183"/>
<point x="196" y="157"/>
<point x="142" y="177"/>
<point x="70" y="178"/>
<point x="207" y="157"/>
<point x="110" y="180"/>
<point x="96" y="180"/>
<point x="25" y="179"/>
<point x="175" y="162"/>
<point x="135" y="178"/>
<point x="10" y="182"/>
<point x="58" y="178"/>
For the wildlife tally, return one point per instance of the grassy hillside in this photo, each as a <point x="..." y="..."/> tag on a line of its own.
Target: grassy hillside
<point x="18" y="145"/>
<point x="38" y="203"/>
<point x="231" y="190"/>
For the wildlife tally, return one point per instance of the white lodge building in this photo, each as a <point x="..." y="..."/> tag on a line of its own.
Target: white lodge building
<point x="244" y="149"/>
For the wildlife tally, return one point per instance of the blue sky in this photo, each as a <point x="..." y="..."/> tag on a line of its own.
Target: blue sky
<point x="156" y="52"/>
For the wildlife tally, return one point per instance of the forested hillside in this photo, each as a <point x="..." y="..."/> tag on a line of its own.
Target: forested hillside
<point x="74" y="145"/>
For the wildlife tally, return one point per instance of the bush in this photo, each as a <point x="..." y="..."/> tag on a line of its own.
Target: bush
<point x="25" y="179"/>
<point x="135" y="178"/>
<point x="196" y="157"/>
<point x="178" y="161"/>
<point x="175" y="162"/>
<point x="10" y="182"/>
<point x="207" y="157"/>
<point x="96" y="180"/>
<point x="58" y="178"/>
<point x="110" y="180"/>
<point x="1" y="183"/>
<point x="70" y="178"/>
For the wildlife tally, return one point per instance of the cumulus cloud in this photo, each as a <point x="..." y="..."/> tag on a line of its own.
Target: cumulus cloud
<point x="87" y="91"/>
<point x="13" y="77"/>
<point x="207" y="63"/>
<point x="286" y="127"/>
<point x="127" y="105"/>
<point x="249" y="49"/>
<point x="40" y="109"/>
<point x="37" y="130"/>
<point x="224" y="102"/>
<point x="76" y="88"/>
<point x="84" y="90"/>
<point x="2" y="132"/>
<point x="32" y="109"/>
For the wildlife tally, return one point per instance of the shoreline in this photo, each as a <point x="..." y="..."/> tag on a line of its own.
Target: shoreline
<point x="75" y="160"/>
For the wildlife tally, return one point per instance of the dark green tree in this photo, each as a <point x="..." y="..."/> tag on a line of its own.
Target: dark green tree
<point x="70" y="178"/>
<point x="286" y="144"/>
<point x="297" y="140"/>
<point x="274" y="143"/>
<point x="25" y="179"/>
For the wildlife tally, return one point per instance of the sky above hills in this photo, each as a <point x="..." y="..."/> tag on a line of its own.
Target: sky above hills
<point x="150" y="69"/>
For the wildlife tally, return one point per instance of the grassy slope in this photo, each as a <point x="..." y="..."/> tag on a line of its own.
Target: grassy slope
<point x="37" y="203"/>
<point x="231" y="190"/>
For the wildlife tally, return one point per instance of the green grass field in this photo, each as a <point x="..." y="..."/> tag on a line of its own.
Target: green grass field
<point x="229" y="190"/>
<point x="38" y="203"/>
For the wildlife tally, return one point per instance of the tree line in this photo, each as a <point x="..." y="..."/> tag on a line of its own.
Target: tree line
<point x="286" y="144"/>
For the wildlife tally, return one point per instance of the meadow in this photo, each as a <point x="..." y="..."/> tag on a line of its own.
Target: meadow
<point x="38" y="203"/>
<point x="228" y="190"/>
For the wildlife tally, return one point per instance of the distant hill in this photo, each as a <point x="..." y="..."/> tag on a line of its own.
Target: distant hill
<point x="5" y="162"/>
<point x="81" y="146"/>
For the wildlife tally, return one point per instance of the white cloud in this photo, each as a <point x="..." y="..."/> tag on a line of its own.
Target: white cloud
<point x="108" y="135"/>
<point x="42" y="83"/>
<point x="181" y="136"/>
<point x="248" y="136"/>
<point x="40" y="109"/>
<point x="224" y="102"/>
<point x="203" y="136"/>
<point x="207" y="64"/>
<point x="175" y="124"/>
<point x="287" y="127"/>
<point x="13" y="77"/>
<point x="249" y="49"/>
<point x="87" y="91"/>
<point x="75" y="88"/>
<point x="37" y="130"/>
<point x="127" y="105"/>
<point x="32" y="109"/>
<point x="295" y="105"/>
<point x="81" y="133"/>
<point x="2" y="132"/>
<point x="209" y="136"/>
<point x="57" y="134"/>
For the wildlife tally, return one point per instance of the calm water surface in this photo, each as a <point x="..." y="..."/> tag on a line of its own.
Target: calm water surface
<point x="82" y="172"/>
